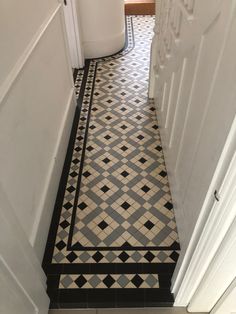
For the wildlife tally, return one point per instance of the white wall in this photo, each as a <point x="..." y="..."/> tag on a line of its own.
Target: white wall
<point x="36" y="110"/>
<point x="103" y="26"/>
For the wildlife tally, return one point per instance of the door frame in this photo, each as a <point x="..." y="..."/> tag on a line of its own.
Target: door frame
<point x="74" y="33"/>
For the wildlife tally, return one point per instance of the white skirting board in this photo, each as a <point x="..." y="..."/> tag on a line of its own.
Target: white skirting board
<point x="43" y="219"/>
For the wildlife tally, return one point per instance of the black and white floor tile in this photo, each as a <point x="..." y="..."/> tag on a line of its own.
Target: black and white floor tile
<point x="114" y="225"/>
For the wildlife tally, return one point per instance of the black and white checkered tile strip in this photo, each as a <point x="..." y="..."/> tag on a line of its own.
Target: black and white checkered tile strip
<point x="101" y="281"/>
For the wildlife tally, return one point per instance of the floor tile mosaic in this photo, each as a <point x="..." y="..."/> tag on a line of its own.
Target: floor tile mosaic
<point x="114" y="222"/>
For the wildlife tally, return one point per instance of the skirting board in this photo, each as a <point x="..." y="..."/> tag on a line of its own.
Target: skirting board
<point x="43" y="220"/>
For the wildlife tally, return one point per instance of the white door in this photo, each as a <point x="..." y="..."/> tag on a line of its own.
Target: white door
<point x="22" y="281"/>
<point x="193" y="83"/>
<point x="72" y="21"/>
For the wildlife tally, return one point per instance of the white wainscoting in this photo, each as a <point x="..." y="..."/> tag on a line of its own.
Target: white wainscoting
<point x="37" y="105"/>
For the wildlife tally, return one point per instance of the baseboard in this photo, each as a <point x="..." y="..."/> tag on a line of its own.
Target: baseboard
<point x="42" y="222"/>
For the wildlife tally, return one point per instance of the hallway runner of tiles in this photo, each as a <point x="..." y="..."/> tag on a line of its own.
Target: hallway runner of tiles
<point x="113" y="226"/>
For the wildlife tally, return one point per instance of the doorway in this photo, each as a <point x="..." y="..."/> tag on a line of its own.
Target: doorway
<point x="140" y="7"/>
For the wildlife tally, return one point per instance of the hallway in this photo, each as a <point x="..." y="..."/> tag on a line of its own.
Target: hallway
<point x="113" y="235"/>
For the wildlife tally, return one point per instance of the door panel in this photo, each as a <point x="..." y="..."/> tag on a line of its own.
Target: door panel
<point x="187" y="59"/>
<point x="22" y="281"/>
<point x="12" y="296"/>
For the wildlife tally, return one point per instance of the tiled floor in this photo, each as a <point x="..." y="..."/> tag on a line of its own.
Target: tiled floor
<point x="114" y="226"/>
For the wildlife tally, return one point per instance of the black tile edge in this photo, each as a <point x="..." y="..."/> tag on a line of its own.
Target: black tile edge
<point x="75" y="72"/>
<point x="63" y="180"/>
<point x="123" y="268"/>
<point x="112" y="298"/>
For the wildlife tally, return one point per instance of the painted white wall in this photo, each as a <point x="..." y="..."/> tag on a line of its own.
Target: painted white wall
<point x="103" y="26"/>
<point x="36" y="110"/>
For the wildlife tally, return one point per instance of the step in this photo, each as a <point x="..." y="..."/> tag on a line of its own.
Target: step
<point x="140" y="7"/>
<point x="172" y="310"/>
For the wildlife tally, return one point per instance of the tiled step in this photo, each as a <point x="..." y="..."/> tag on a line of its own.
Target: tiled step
<point x="111" y="298"/>
<point x="157" y="310"/>
<point x="140" y="7"/>
<point x="110" y="290"/>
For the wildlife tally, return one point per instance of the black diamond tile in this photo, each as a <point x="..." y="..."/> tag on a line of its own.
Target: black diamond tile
<point x="73" y="174"/>
<point x="97" y="256"/>
<point x="149" y="225"/>
<point x="70" y="189"/>
<point x="124" y="174"/>
<point x="142" y="160"/>
<point x="140" y="137"/>
<point x="105" y="188"/>
<point x="86" y="174"/>
<point x="61" y="245"/>
<point x="149" y="256"/>
<point x="145" y="188"/>
<point x="90" y="148"/>
<point x="159" y="148"/>
<point x="124" y="148"/>
<point x="123" y="127"/>
<point x="123" y="256"/>
<point x="64" y="224"/>
<point x="137" y="281"/>
<point x="108" y="281"/>
<point x="78" y="149"/>
<point x="75" y="161"/>
<point x="107" y="137"/>
<point x="125" y="205"/>
<point x="82" y="205"/>
<point x="163" y="173"/>
<point x="106" y="160"/>
<point x="174" y="256"/>
<point x="102" y="225"/>
<point x="68" y="205"/>
<point x="80" y="281"/>
<point x="71" y="257"/>
<point x="168" y="205"/>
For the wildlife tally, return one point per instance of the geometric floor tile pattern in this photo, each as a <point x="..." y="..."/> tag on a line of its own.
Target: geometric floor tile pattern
<point x="102" y="281"/>
<point x="114" y="210"/>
